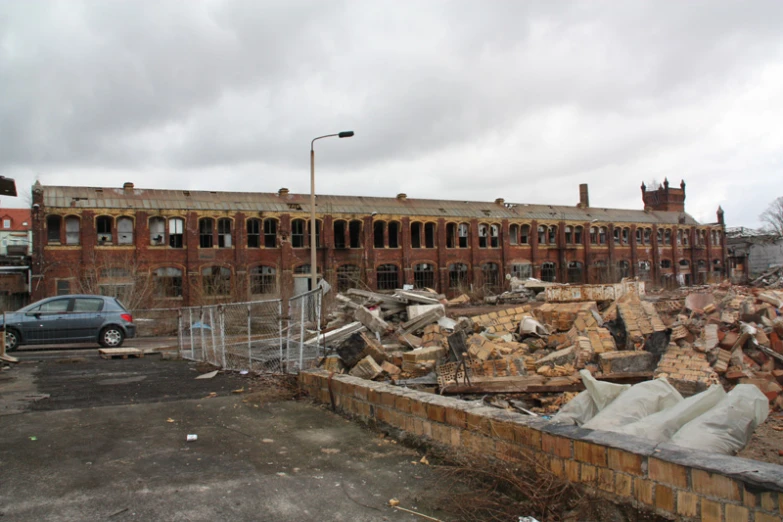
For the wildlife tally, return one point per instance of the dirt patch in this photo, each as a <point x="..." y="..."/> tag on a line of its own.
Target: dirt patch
<point x="766" y="444"/>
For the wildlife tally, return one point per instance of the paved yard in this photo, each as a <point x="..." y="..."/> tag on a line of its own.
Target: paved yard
<point x="110" y="444"/>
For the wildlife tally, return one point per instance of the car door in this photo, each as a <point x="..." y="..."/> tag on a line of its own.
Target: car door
<point x="86" y="318"/>
<point x="46" y="323"/>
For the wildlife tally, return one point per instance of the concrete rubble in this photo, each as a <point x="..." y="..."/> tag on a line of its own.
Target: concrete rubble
<point x="693" y="337"/>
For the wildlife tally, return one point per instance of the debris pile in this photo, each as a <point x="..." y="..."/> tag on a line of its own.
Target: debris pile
<point x="693" y="337"/>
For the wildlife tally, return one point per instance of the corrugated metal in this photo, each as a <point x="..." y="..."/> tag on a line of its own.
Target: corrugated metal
<point x="89" y="197"/>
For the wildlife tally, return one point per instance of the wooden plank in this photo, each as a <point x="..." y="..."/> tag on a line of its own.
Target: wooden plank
<point x="624" y="377"/>
<point x="514" y="384"/>
<point x="109" y="353"/>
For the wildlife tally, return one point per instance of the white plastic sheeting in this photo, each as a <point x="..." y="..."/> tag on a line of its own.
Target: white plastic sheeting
<point x="639" y="401"/>
<point x="661" y="426"/>
<point x="597" y="396"/>
<point x="727" y="427"/>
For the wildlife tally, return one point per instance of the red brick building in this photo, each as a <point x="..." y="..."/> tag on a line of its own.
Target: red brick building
<point x="188" y="247"/>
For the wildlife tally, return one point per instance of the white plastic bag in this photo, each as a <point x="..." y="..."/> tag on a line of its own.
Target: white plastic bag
<point x="587" y="404"/>
<point x="727" y="427"/>
<point x="639" y="401"/>
<point x="661" y="426"/>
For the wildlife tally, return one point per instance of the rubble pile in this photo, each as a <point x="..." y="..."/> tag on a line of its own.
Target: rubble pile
<point x="693" y="337"/>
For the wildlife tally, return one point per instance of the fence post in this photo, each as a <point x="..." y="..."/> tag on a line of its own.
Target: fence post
<point x="249" y="339"/>
<point x="204" y="355"/>
<point x="288" y="336"/>
<point x="221" y="317"/>
<point x="319" y="299"/>
<point x="301" y="333"/>
<point x="2" y="341"/>
<point x="190" y="329"/>
<point x="280" y="327"/>
<point x="180" y="340"/>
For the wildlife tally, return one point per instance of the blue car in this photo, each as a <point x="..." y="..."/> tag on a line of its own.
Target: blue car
<point x="69" y="319"/>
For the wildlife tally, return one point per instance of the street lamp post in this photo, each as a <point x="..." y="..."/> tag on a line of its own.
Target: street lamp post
<point x="313" y="257"/>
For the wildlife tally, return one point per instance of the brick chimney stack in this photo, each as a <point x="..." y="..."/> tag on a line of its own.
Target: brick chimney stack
<point x="584" y="196"/>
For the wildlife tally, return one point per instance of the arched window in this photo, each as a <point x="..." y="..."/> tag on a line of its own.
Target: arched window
<point x="394" y="234"/>
<point x="593" y="235"/>
<point x="254" y="233"/>
<point x="552" y="235"/>
<point x="339" y="228"/>
<point x="541" y="235"/>
<point x="458" y="276"/>
<point x="348" y="276"/>
<point x="483" y="233"/>
<point x="716" y="265"/>
<point x="464" y="234"/>
<point x="524" y="235"/>
<point x="103" y="226"/>
<point x="451" y="235"/>
<point x="491" y="275"/>
<point x="569" y="235"/>
<point x="216" y="281"/>
<point x="548" y="272"/>
<point x="616" y="234"/>
<point x="53" y="224"/>
<point x="578" y="235"/>
<point x="206" y="232"/>
<point x="167" y="282"/>
<point x="424" y="275"/>
<point x="72" y="225"/>
<point x="647" y="236"/>
<point x="660" y="236"/>
<point x="667" y="237"/>
<point x="309" y="236"/>
<point x="513" y="234"/>
<point x="378" y="229"/>
<point x="666" y="264"/>
<point x="429" y="235"/>
<point x="686" y="237"/>
<point x="176" y="232"/>
<point x="124" y="230"/>
<point x="270" y="233"/>
<point x="575" y="273"/>
<point x="494" y="236"/>
<point x="157" y="231"/>
<point x="388" y="277"/>
<point x="702" y="235"/>
<point x="415" y="234"/>
<point x="355" y="233"/>
<point x="639" y="240"/>
<point x="685" y="265"/>
<point x="298" y="227"/>
<point x="626" y="235"/>
<point x="679" y="237"/>
<point x="304" y="269"/>
<point x="263" y="280"/>
<point x="224" y="233"/>
<point x="623" y="269"/>
<point x="644" y="270"/>
<point x="602" y="235"/>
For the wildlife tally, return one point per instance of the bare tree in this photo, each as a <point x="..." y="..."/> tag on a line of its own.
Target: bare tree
<point x="121" y="276"/>
<point x="773" y="217"/>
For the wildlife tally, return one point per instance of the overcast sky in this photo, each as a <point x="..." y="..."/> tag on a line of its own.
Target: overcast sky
<point x="453" y="100"/>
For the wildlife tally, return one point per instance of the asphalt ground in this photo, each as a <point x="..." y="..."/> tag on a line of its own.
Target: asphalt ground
<point x="82" y="438"/>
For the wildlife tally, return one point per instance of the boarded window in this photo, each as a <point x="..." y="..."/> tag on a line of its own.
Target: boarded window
<point x="72" y="230"/>
<point x="124" y="231"/>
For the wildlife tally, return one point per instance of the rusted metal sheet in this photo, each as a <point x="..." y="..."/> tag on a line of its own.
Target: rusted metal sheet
<point x="605" y="292"/>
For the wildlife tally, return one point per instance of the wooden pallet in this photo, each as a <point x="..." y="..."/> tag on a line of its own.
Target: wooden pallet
<point x="124" y="353"/>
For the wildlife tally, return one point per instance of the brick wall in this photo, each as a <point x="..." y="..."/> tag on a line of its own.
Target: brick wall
<point x="683" y="484"/>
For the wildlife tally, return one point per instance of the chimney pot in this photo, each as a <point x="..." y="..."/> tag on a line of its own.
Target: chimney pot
<point x="128" y="186"/>
<point x="500" y="201"/>
<point x="402" y="196"/>
<point x="282" y="192"/>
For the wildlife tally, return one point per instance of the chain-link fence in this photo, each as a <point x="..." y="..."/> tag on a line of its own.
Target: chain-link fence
<point x="253" y="336"/>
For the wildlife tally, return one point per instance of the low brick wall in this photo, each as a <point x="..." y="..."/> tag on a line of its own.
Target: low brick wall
<point x="664" y="478"/>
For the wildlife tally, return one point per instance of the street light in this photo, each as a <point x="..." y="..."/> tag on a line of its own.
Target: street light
<point x="313" y="258"/>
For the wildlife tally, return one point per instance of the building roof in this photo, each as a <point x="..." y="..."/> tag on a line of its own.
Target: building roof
<point x="157" y="199"/>
<point x="20" y="219"/>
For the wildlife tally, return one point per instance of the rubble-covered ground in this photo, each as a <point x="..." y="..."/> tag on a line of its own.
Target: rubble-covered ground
<point x="524" y="351"/>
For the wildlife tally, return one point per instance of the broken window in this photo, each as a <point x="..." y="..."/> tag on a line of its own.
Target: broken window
<point x="124" y="231"/>
<point x="298" y="233"/>
<point x="394" y="234"/>
<point x="524" y="235"/>
<point x="639" y="239"/>
<point x="270" y="233"/>
<point x="494" y="236"/>
<point x="593" y="236"/>
<point x="378" y="228"/>
<point x="644" y="270"/>
<point x="348" y="276"/>
<point x="623" y="269"/>
<point x="339" y="229"/>
<point x="569" y="236"/>
<point x="542" y="235"/>
<point x="53" y="224"/>
<point x="548" y="272"/>
<point x="253" y="233"/>
<point x="716" y="266"/>
<point x="157" y="231"/>
<point x="72" y="230"/>
<point x="578" y="235"/>
<point x="416" y="235"/>
<point x="491" y="276"/>
<point x="216" y="280"/>
<point x="616" y="235"/>
<point x="103" y="226"/>
<point x="302" y="269"/>
<point x="513" y="234"/>
<point x="317" y="233"/>
<point x="626" y="235"/>
<point x="424" y="275"/>
<point x="679" y="237"/>
<point x="702" y="238"/>
<point x="167" y="282"/>
<point x="667" y="237"/>
<point x="575" y="272"/>
<point x="355" y="233"/>
<point x="206" y="230"/>
<point x="263" y="280"/>
<point x="552" y="235"/>
<point x="686" y="237"/>
<point x="176" y="232"/>
<point x="602" y="235"/>
<point x="464" y="231"/>
<point x="483" y="232"/>
<point x="716" y="238"/>
<point x="647" y="236"/>
<point x="458" y="276"/>
<point x="224" y="233"/>
<point x="522" y="270"/>
<point x="388" y="277"/>
<point x="451" y="235"/>
<point x="666" y="264"/>
<point x="685" y="265"/>
<point x="429" y="235"/>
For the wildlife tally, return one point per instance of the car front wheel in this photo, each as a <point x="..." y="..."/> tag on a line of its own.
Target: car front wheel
<point x="11" y="340"/>
<point x="111" y="337"/>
